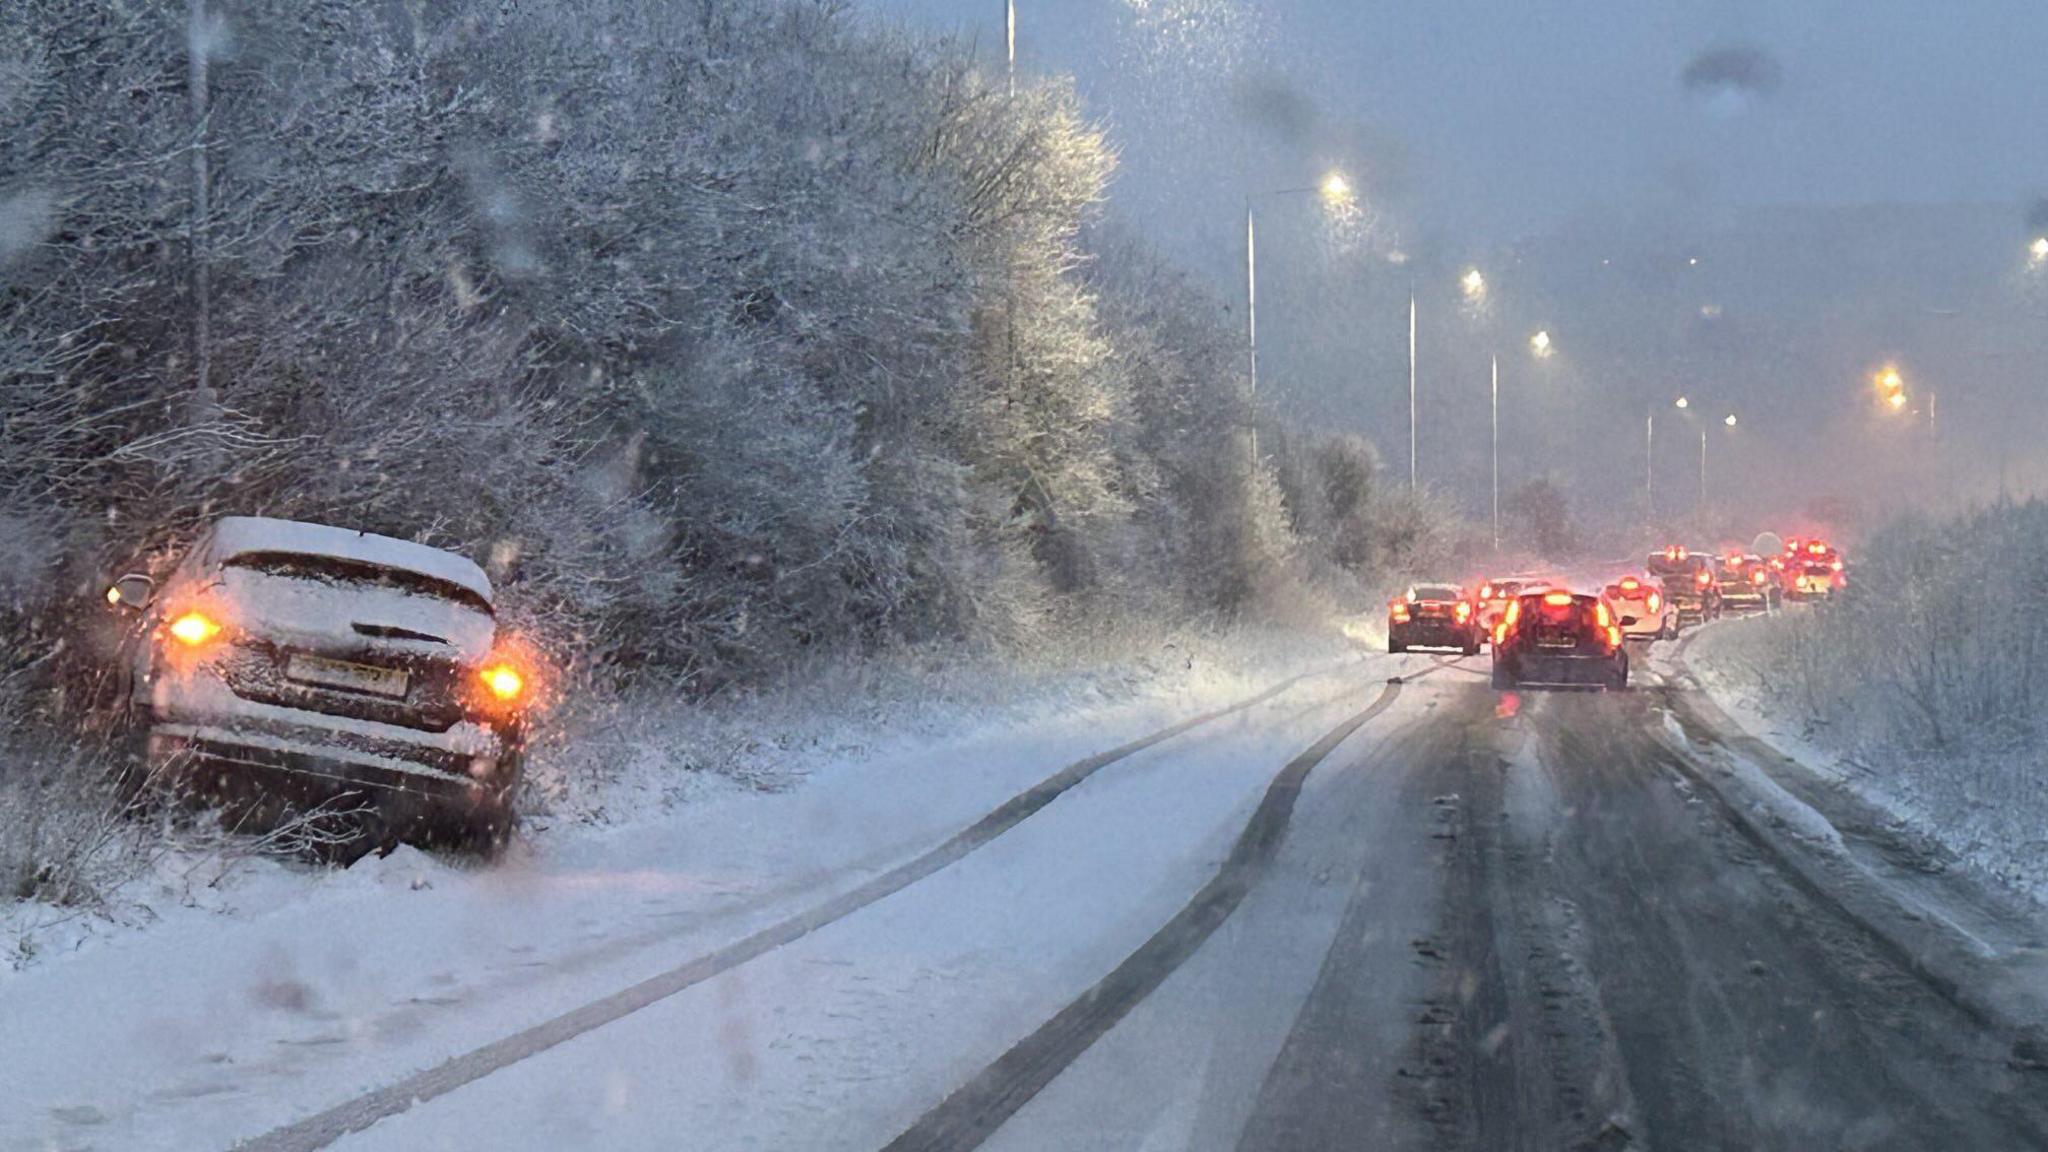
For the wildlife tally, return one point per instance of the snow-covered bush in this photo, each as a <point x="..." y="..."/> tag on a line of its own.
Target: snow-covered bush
<point x="725" y="332"/>
<point x="1932" y="672"/>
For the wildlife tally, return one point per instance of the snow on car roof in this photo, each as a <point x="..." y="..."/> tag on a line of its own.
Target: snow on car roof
<point x="243" y="535"/>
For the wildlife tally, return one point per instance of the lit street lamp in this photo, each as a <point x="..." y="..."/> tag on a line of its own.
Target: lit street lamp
<point x="1336" y="194"/>
<point x="1540" y="345"/>
<point x="2037" y="252"/>
<point x="1891" y="387"/>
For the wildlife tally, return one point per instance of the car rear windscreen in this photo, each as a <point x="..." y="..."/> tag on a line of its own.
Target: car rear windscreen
<point x="335" y="570"/>
<point x="1437" y="592"/>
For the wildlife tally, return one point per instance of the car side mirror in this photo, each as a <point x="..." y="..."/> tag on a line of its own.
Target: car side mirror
<point x="132" y="593"/>
<point x="1628" y="621"/>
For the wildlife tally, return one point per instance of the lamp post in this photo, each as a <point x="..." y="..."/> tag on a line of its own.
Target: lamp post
<point x="1336" y="195"/>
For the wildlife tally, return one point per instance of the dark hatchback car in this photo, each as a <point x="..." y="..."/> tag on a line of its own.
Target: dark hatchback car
<point x="1560" y="638"/>
<point x="1433" y="616"/>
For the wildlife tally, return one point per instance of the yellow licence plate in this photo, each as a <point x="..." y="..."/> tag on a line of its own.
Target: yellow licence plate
<point x="345" y="675"/>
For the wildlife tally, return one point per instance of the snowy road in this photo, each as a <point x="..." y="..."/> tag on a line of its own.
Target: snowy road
<point x="1382" y="907"/>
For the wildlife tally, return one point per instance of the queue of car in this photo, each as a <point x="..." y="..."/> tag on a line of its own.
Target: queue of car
<point x="1543" y="632"/>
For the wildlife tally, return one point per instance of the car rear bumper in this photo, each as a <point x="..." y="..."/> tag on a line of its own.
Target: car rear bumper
<point x="216" y="742"/>
<point x="1433" y="633"/>
<point x="1563" y="670"/>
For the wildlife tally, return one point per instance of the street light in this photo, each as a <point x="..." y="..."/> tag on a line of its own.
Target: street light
<point x="2037" y="252"/>
<point x="1729" y="420"/>
<point x="1891" y="387"/>
<point x="1474" y="284"/>
<point x="1335" y="192"/>
<point x="1682" y="402"/>
<point x="1540" y="345"/>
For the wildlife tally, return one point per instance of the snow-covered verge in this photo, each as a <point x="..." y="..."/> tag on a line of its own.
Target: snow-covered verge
<point x="1987" y="805"/>
<point x="292" y="989"/>
<point x="883" y="743"/>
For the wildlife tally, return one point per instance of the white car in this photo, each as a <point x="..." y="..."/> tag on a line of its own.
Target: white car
<point x="282" y="666"/>
<point x="1656" y="617"/>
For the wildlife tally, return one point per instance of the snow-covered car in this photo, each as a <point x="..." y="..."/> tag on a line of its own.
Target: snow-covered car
<point x="284" y="665"/>
<point x="1656" y="616"/>
<point x="1432" y="616"/>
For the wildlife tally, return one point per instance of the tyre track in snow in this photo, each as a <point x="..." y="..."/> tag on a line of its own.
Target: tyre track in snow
<point x="323" y="1128"/>
<point x="972" y="1112"/>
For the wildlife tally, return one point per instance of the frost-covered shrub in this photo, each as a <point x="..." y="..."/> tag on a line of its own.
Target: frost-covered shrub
<point x="724" y="331"/>
<point x="1932" y="675"/>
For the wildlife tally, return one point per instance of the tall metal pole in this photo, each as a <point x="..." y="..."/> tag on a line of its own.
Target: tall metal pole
<point x="1496" y="451"/>
<point x="1251" y="315"/>
<point x="1703" y="468"/>
<point x="1411" y="393"/>
<point x="1010" y="35"/>
<point x="1650" y="465"/>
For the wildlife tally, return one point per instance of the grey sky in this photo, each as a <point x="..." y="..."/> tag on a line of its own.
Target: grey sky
<point x="1517" y="112"/>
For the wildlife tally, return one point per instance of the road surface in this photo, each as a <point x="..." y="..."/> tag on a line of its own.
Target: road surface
<point x="1386" y="907"/>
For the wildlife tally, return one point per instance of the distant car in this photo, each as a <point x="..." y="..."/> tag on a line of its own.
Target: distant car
<point x="1815" y="580"/>
<point x="1820" y="562"/>
<point x="285" y="665"/>
<point x="1432" y="616"/>
<point x="1746" y="583"/>
<point x="1656" y="617"/>
<point x="1494" y="596"/>
<point x="1560" y="638"/>
<point x="1687" y="576"/>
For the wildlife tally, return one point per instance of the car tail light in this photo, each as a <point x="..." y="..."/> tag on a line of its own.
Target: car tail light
<point x="1464" y="611"/>
<point x="1486" y="591"/>
<point x="1514" y="613"/>
<point x="1837" y="566"/>
<point x="1613" y="636"/>
<point x="1801" y="582"/>
<point x="193" y="629"/>
<point x="1500" y="634"/>
<point x="1756" y="577"/>
<point x="1601" y="619"/>
<point x="1399" y="609"/>
<point x="1557" y="599"/>
<point x="1630" y="584"/>
<point x="1656" y="602"/>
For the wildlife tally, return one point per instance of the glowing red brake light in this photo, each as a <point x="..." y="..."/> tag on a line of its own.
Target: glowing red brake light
<point x="1557" y="599"/>
<point x="1703" y="579"/>
<point x="1837" y="566"/>
<point x="1613" y="636"/>
<point x="1656" y="602"/>
<point x="1464" y="611"/>
<point x="1630" y="584"/>
<point x="1514" y="613"/>
<point x="1757" y="577"/>
<point x="1600" y="617"/>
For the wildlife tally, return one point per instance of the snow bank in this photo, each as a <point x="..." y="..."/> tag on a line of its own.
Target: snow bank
<point x="931" y="731"/>
<point x="1989" y="806"/>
